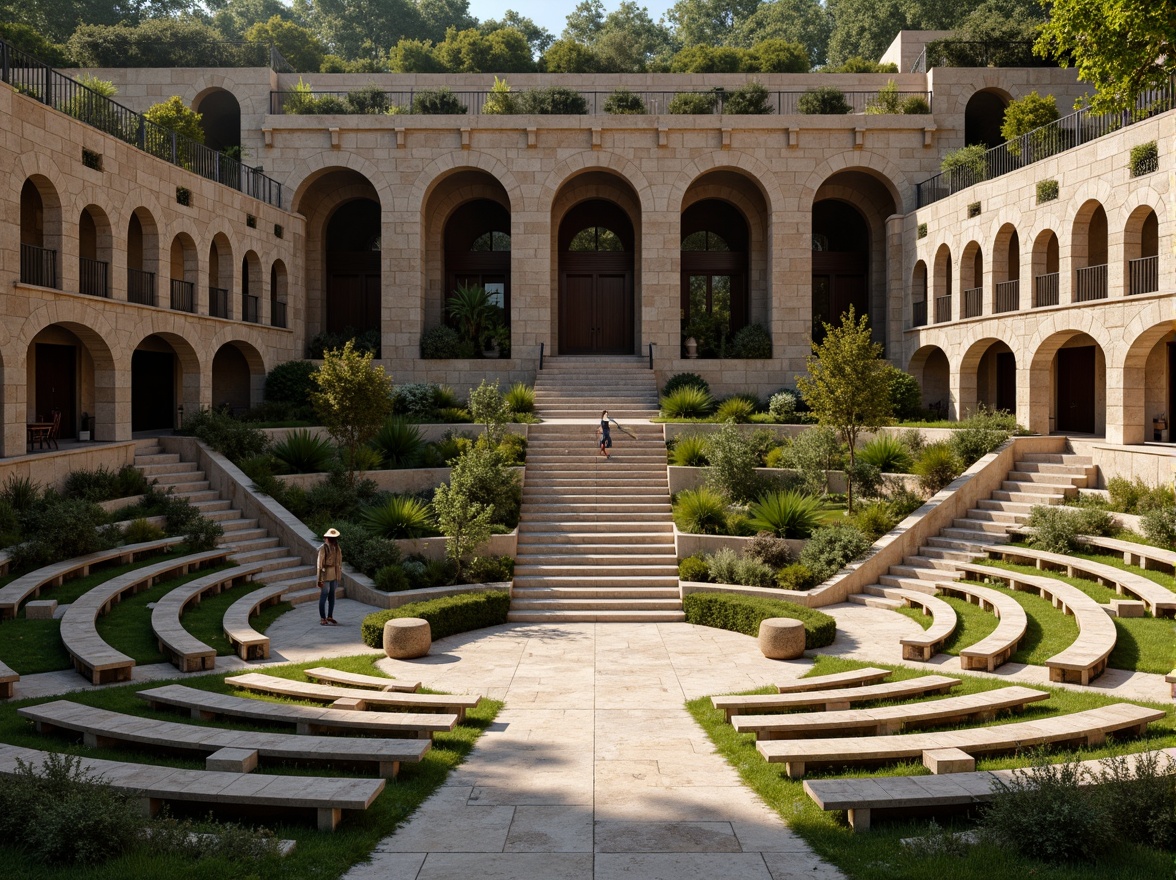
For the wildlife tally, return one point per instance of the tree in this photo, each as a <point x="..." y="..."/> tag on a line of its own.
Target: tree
<point x="438" y="16"/>
<point x="568" y="56"/>
<point x="1027" y="113"/>
<point x="471" y="51"/>
<point x="779" y="56"/>
<point x="866" y="27"/>
<point x="627" y="40"/>
<point x="298" y="45"/>
<point x="847" y="386"/>
<point x="709" y="22"/>
<point x="413" y="56"/>
<point x="538" y="37"/>
<point x="465" y="523"/>
<point x="1121" y="47"/>
<point x="362" y="28"/>
<point x="489" y="408"/>
<point x="234" y="18"/>
<point x="796" y="21"/>
<point x="354" y="398"/>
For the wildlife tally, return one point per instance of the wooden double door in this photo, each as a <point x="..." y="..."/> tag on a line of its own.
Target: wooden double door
<point x="353" y="292"/>
<point x="596" y="303"/>
<point x="839" y="282"/>
<point x="1075" y="378"/>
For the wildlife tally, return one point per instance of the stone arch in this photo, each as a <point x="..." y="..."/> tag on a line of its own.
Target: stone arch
<point x="971" y="280"/>
<point x="930" y="366"/>
<point x="251" y="287"/>
<point x="237" y="376"/>
<point x="41" y="232"/>
<point x="95" y="251"/>
<point x="942" y="286"/>
<point x="166" y="374"/>
<point x="182" y="274"/>
<point x="1045" y="269"/>
<point x="612" y="164"/>
<point x="220" y="118"/>
<point x="1089" y="251"/>
<point x="919" y="293"/>
<point x="868" y="163"/>
<point x="1067" y="381"/>
<point x="144" y="245"/>
<point x="1141" y="251"/>
<point x="221" y="272"/>
<point x="279" y="294"/>
<point x="1006" y="269"/>
<point x="987" y="376"/>
<point x="438" y="172"/>
<point x="737" y="163"/>
<point x="984" y="115"/>
<point x="313" y="169"/>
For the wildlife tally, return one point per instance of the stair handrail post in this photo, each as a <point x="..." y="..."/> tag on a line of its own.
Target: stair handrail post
<point x="651" y="345"/>
<point x="540" y="355"/>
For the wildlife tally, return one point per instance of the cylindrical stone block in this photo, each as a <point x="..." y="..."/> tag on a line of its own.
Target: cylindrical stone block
<point x="407" y="637"/>
<point x="781" y="638"/>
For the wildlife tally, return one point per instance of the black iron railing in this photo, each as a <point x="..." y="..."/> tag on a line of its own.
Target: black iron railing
<point x="942" y="309"/>
<point x="277" y="314"/>
<point x="218" y="302"/>
<point x="1143" y="275"/>
<point x="249" y="309"/>
<point x="38" y="265"/>
<point x="973" y="302"/>
<point x="183" y="296"/>
<point x="919" y="313"/>
<point x="1046" y="290"/>
<point x="1008" y="296"/>
<point x="93" y="277"/>
<point x="1091" y="283"/>
<point x="141" y="287"/>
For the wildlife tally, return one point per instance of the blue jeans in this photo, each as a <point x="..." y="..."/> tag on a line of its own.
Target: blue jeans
<point x="327" y="599"/>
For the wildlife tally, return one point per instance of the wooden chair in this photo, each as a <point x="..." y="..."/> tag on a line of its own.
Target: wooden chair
<point x="54" y="429"/>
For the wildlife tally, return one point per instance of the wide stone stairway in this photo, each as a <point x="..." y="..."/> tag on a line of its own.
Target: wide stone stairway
<point x="596" y="536"/>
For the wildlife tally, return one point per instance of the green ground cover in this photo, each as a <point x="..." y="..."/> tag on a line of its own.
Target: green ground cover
<point x="204" y="621"/>
<point x="879" y="855"/>
<point x="317" y="855"/>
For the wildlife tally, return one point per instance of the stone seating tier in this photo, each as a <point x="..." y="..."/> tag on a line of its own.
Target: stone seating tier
<point x="356" y="679"/>
<point x="186" y="652"/>
<point x="927" y="644"/>
<point x="850" y="678"/>
<point x="8" y="680"/>
<point x="324" y="693"/>
<point x="248" y="642"/>
<point x="834" y="698"/>
<point x="999" y="645"/>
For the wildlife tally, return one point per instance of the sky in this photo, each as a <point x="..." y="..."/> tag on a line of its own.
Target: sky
<point x="551" y="15"/>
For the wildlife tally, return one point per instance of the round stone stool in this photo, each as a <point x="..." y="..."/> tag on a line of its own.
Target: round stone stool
<point x="407" y="637"/>
<point x="780" y="638"/>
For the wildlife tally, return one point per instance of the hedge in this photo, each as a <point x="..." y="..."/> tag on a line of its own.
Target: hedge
<point x="743" y="614"/>
<point x="446" y="616"/>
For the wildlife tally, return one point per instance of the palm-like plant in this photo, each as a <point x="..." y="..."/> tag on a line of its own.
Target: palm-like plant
<point x="700" y="511"/>
<point x="736" y="409"/>
<point x="888" y="454"/>
<point x="687" y="402"/>
<point x="303" y="452"/>
<point x="690" y="451"/>
<point x="786" y="514"/>
<point x="399" y="443"/>
<point x="401" y="516"/>
<point x="470" y="306"/>
<point x="521" y="398"/>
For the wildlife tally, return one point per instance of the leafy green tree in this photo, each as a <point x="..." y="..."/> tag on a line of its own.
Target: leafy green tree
<point x="848" y="386"/>
<point x="465" y="523"/>
<point x="796" y="21"/>
<point x="568" y="56"/>
<point x="29" y="40"/>
<point x="489" y="408"/>
<point x="438" y="16"/>
<point x="154" y="43"/>
<point x="234" y="18"/>
<point x="584" y="22"/>
<point x="471" y="51"/>
<point x="1121" y="47"/>
<point x="362" y="28"/>
<point x="709" y="22"/>
<point x="354" y="397"/>
<point x="413" y="56"/>
<point x="177" y="116"/>
<point x="1026" y="114"/>
<point x="626" y="40"/>
<point x="538" y="37"/>
<point x="866" y="27"/>
<point x="778" y="56"/>
<point x="298" y="45"/>
<point x="709" y="59"/>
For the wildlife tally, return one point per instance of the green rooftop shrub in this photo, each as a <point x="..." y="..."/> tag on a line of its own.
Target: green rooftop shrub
<point x="743" y="614"/>
<point x="447" y="616"/>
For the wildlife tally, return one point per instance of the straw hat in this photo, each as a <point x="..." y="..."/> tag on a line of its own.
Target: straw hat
<point x="331" y="533"/>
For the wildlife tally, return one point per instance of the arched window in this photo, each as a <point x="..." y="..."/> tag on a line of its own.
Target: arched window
<point x="714" y="274"/>
<point x="595" y="239"/>
<point x="477" y="250"/>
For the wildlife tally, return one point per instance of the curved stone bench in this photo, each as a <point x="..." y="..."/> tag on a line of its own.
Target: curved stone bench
<point x="92" y="656"/>
<point x="101" y="728"/>
<point x="1088" y="728"/>
<point x="1171" y="679"/>
<point x="999" y="645"/>
<point x="1086" y="658"/>
<point x="29" y="586"/>
<point x="356" y="679"/>
<point x="1140" y="555"/>
<point x="246" y="641"/>
<point x="850" y="678"/>
<point x="325" y="693"/>
<point x="834" y="699"/>
<point x="186" y="652"/>
<point x="930" y="641"/>
<point x="8" y="680"/>
<point x="206" y="705"/>
<point x="154" y="785"/>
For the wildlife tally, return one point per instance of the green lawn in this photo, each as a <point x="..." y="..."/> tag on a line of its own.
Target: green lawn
<point x="204" y="621"/>
<point x="879" y="855"/>
<point x="317" y="855"/>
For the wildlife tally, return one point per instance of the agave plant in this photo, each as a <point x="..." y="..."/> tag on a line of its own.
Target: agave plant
<point x="700" y="511"/>
<point x="690" y="451"/>
<point x="887" y="453"/>
<point x="687" y="402"/>
<point x="786" y="514"/>
<point x="472" y="309"/>
<point x="399" y="443"/>
<point x="520" y="398"/>
<point x="303" y="452"/>
<point x="364" y="458"/>
<point x="736" y="409"/>
<point x="401" y="516"/>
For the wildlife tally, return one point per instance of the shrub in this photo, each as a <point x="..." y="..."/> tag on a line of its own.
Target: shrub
<point x="786" y="514"/>
<point x="1047" y="191"/>
<point x="967" y="165"/>
<point x="743" y="614"/>
<point x="722" y="565"/>
<point x="732" y="464"/>
<point x="399" y="443"/>
<point x="825" y="101"/>
<point x="303" y="452"/>
<point x="501" y="101"/>
<point x="886" y="453"/>
<point x="678" y="380"/>
<point x="416" y="399"/>
<point x="1145" y="159"/>
<point x="443" y="342"/>
<point x="765" y="547"/>
<point x="797" y="576"/>
<point x="489" y="408"/>
<point x="520" y="398"/>
<point x="622" y="102"/>
<point x="865" y="479"/>
<point x="753" y="573"/>
<point x="813" y="453"/>
<point x="447" y="616"/>
<point x="401" y="516"/>
<point x="391" y="579"/>
<point x="782" y="405"/>
<point x="290" y="382"/>
<point x="1024" y="115"/>
<point x="369" y="99"/>
<point x="555" y="100"/>
<point x="1159" y="526"/>
<point x="752" y="341"/>
<point x="692" y="103"/>
<point x="321" y="343"/>
<point x="700" y="511"/>
<point x="735" y="409"/>
<point x="483" y="477"/>
<point x="831" y="548"/>
<point x="513" y="449"/>
<point x="687" y="402"/>
<point x="105" y="485"/>
<point x="1055" y="528"/>
<point x="1139" y="802"/>
<point x="875" y="520"/>
<point x="1136" y="496"/>
<point x="915" y="105"/>
<point x="981" y="433"/>
<point x="906" y="398"/>
<point x="936" y="466"/>
<point x="203" y="534"/>
<point x="20" y="493"/>
<point x="139" y="531"/>
<point x="61" y="529"/>
<point x="749" y="100"/>
<point x="694" y="568"/>
<point x="490" y="569"/>
<point x="437" y="102"/>
<point x="689" y="451"/>
<point x="364" y="551"/>
<point x="235" y="440"/>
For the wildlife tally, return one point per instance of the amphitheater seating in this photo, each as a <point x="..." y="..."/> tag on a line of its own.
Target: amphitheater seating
<point x="186" y="652"/>
<point x="248" y="642"/>
<point x="154" y="785"/>
<point x="1140" y="555"/>
<point x="8" y="680"/>
<point x="1087" y="657"/>
<point x="305" y="719"/>
<point x="1088" y="728"/>
<point x="301" y="690"/>
<point x="850" y="678"/>
<point x="29" y="585"/>
<point x="833" y="699"/>
<point x="355" y="679"/>
<point x="102" y="728"/>
<point x="928" y="643"/>
<point x="982" y="706"/>
<point x="1171" y="679"/>
<point x="91" y="655"/>
<point x="864" y="799"/>
<point x="999" y="645"/>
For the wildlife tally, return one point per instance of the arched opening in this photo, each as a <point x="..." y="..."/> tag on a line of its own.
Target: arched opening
<point x="183" y="273"/>
<point x="237" y="377"/>
<point x="353" y="268"/>
<point x="1046" y="283"/>
<point x="1141" y="250"/>
<point x="279" y="295"/>
<point x="165" y="373"/>
<point x="142" y="257"/>
<point x="983" y="117"/>
<point x="250" y="288"/>
<point x="919" y="295"/>
<point x="1149" y="369"/>
<point x="943" y="284"/>
<point x="972" y="281"/>
<point x="1006" y="270"/>
<point x="70" y="371"/>
<point x="40" y="232"/>
<point x="95" y="249"/>
<point x="1070" y="367"/>
<point x="1088" y="252"/>
<point x="596" y="243"/>
<point x="988" y="377"/>
<point x="221" y="120"/>
<point x="930" y="367"/>
<point x="715" y="245"/>
<point x="477" y="252"/>
<point x="220" y="276"/>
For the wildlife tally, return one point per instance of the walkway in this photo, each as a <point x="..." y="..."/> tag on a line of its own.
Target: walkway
<point x="594" y="769"/>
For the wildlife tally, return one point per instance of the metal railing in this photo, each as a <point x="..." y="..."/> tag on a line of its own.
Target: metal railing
<point x="1049" y="140"/>
<point x="249" y="309"/>
<point x="325" y="102"/>
<point x="1090" y="283"/>
<point x="1143" y="275"/>
<point x="183" y="296"/>
<point x="38" y="265"/>
<point x="141" y="287"/>
<point x="218" y="302"/>
<point x="973" y="302"/>
<point x="942" y="309"/>
<point x="93" y="277"/>
<point x="978" y="53"/>
<point x="277" y="314"/>
<point x="1046" y="290"/>
<point x="919" y="313"/>
<point x="1008" y="296"/>
<point x="41" y="82"/>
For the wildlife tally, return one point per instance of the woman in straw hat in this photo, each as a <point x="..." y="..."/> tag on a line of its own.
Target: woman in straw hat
<point x="329" y="568"/>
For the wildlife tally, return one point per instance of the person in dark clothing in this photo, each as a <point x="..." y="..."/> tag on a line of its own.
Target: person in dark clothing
<point x="604" y="434"/>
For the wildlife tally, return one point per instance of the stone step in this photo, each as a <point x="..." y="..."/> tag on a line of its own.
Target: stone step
<point x="594" y="593"/>
<point x="208" y="499"/>
<point x="1045" y="468"/>
<point x="998" y="516"/>
<point x="922" y="573"/>
<point x="1039" y="488"/>
<point x="1027" y="497"/>
<point x="1007" y="506"/>
<point x="661" y="566"/>
<point x="152" y="471"/>
<point x="607" y="546"/>
<point x="898" y="582"/>
<point x="954" y="554"/>
<point x="532" y="562"/>
<point x="292" y="576"/>
<point x="972" y="546"/>
<point x="244" y="532"/>
<point x="614" y="604"/>
<point x="600" y="480"/>
<point x="265" y="554"/>
<point x="595" y="616"/>
<point x="597" y="580"/>
<point x="974" y="525"/>
<point x="251" y="545"/>
<point x="930" y="562"/>
<point x="230" y="524"/>
<point x="875" y="601"/>
<point x="604" y="526"/>
<point x="618" y="510"/>
<point x="310" y="594"/>
<point x="184" y="487"/>
<point x="1055" y="458"/>
<point x="155" y="458"/>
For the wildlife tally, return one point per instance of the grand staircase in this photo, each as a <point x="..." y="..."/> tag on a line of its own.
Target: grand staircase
<point x="249" y="543"/>
<point x="596" y="537"/>
<point x="1037" y="478"/>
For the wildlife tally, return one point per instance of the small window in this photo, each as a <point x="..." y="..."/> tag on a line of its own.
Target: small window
<point x="595" y="238"/>
<point x="491" y="241"/>
<point x="704" y="241"/>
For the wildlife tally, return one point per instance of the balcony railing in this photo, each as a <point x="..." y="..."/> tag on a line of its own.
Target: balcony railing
<point x="919" y="314"/>
<point x="183" y="296"/>
<point x="93" y="277"/>
<point x="141" y="287"/>
<point x="942" y="309"/>
<point x="218" y="302"/>
<point x="1143" y="275"/>
<point x="38" y="265"/>
<point x="249" y="309"/>
<point x="1091" y="283"/>
<point x="973" y="302"/>
<point x="1046" y="290"/>
<point x="1008" y="296"/>
<point x="277" y="314"/>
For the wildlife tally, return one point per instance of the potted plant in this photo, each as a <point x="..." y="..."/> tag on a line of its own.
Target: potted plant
<point x="472" y="311"/>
